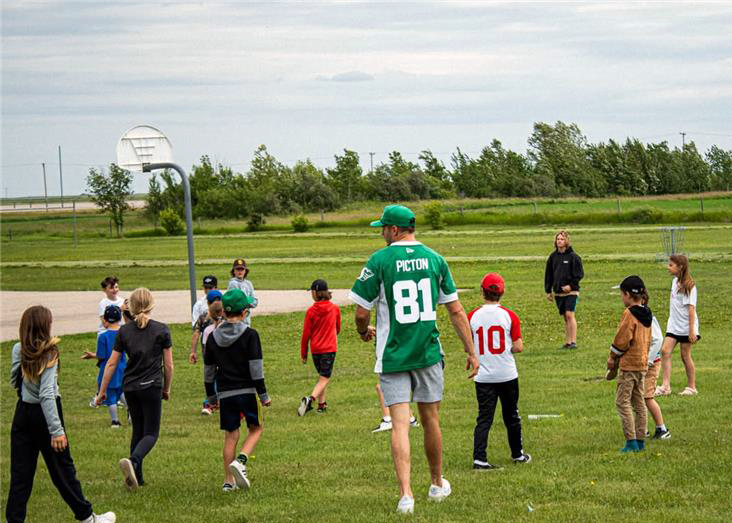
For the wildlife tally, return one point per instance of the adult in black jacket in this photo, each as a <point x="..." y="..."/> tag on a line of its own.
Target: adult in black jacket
<point x="235" y="350"/>
<point x="562" y="283"/>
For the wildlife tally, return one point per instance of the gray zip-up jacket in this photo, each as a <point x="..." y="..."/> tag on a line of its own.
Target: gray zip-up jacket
<point x="45" y="392"/>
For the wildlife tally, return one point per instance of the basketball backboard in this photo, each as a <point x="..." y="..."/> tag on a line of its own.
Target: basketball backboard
<point x="143" y="144"/>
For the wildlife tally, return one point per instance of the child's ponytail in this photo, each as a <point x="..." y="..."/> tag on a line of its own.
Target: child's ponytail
<point x="141" y="303"/>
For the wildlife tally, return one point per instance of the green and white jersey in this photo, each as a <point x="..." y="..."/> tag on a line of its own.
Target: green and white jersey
<point x="406" y="281"/>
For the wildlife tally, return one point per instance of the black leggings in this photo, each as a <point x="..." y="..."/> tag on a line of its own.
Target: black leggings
<point x="145" y="408"/>
<point x="28" y="436"/>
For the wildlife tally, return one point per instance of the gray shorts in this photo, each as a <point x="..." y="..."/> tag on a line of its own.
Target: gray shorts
<point x="420" y="385"/>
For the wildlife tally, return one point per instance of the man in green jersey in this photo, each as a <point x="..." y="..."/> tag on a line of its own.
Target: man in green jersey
<point x="406" y="281"/>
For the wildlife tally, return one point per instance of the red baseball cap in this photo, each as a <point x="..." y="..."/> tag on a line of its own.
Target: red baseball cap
<point x="493" y="282"/>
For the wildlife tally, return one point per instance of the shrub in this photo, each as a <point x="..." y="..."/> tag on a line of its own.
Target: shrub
<point x="171" y="222"/>
<point x="255" y="222"/>
<point x="300" y="223"/>
<point x="433" y="215"/>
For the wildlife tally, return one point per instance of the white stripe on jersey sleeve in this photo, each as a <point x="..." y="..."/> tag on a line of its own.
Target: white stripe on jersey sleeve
<point x="358" y="300"/>
<point x="447" y="298"/>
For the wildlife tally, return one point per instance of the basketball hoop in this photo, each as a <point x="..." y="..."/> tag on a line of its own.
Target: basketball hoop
<point x="143" y="145"/>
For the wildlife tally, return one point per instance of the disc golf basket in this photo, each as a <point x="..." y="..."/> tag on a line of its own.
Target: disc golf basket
<point x="672" y="240"/>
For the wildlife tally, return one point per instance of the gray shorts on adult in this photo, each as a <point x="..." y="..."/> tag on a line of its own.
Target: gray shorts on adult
<point x="420" y="385"/>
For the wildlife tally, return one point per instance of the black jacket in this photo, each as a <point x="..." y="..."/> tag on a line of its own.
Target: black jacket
<point x="236" y="352"/>
<point x="563" y="268"/>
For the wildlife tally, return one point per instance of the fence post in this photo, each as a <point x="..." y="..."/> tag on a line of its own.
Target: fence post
<point x="535" y="208"/>
<point x="110" y="227"/>
<point x="701" y="201"/>
<point x="618" y="202"/>
<point x="73" y="206"/>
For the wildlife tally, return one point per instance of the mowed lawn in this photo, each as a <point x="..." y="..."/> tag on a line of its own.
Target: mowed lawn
<point x="331" y="468"/>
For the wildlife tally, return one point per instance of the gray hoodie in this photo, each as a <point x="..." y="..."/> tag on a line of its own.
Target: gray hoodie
<point x="45" y="392"/>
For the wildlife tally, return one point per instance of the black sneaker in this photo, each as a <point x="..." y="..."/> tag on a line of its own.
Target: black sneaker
<point x="116" y="424"/>
<point x="483" y="466"/>
<point x="323" y="407"/>
<point x="524" y="458"/>
<point x="566" y="346"/>
<point x="572" y="345"/>
<point x="306" y="405"/>
<point x="662" y="434"/>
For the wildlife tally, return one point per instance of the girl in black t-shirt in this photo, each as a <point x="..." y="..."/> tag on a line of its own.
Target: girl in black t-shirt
<point x="148" y="345"/>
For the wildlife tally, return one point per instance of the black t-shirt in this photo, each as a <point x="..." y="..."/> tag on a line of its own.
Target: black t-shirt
<point x="144" y="350"/>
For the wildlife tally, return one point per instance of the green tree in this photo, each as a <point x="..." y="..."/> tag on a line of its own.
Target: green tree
<point x="346" y="177"/>
<point x="720" y="166"/>
<point x="110" y="192"/>
<point x="561" y="152"/>
<point x="154" y="200"/>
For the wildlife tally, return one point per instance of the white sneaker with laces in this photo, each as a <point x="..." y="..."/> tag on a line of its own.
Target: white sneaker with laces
<point x="239" y="470"/>
<point x="413" y="422"/>
<point x="405" y="505"/>
<point x="107" y="517"/>
<point x="383" y="426"/>
<point x="439" y="493"/>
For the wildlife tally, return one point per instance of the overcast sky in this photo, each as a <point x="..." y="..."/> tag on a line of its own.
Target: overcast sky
<point x="310" y="79"/>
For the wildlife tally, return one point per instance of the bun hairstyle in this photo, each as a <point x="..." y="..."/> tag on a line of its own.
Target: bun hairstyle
<point x="564" y="233"/>
<point x="141" y="302"/>
<point x="38" y="350"/>
<point x="686" y="282"/>
<point x="323" y="295"/>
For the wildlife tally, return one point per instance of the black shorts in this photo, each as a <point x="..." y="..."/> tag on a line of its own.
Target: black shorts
<point x="324" y="363"/>
<point x="681" y="339"/>
<point x="234" y="408"/>
<point x="566" y="303"/>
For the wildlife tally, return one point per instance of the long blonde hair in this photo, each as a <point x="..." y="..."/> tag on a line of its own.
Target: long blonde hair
<point x="141" y="303"/>
<point x="38" y="350"/>
<point x="686" y="282"/>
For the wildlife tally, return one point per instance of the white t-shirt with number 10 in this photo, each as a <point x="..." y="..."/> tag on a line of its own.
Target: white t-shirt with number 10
<point x="495" y="328"/>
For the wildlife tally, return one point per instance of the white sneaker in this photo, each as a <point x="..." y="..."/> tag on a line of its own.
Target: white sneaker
<point x="405" y="505"/>
<point x="383" y="426"/>
<point x="93" y="402"/>
<point x="439" y="493"/>
<point x="239" y="470"/>
<point x="107" y="517"/>
<point x="413" y="422"/>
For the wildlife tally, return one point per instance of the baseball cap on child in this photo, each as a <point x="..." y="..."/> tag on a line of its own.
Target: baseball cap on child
<point x="632" y="285"/>
<point x="112" y="314"/>
<point x="210" y="281"/>
<point x="213" y="295"/>
<point x="235" y="300"/>
<point x="319" y="285"/>
<point x="239" y="262"/>
<point x="493" y="282"/>
<point x="398" y="215"/>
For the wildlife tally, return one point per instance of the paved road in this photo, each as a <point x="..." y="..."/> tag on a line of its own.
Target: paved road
<point x="75" y="312"/>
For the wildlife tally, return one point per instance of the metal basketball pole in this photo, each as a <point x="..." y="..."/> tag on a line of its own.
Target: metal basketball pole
<point x="148" y="167"/>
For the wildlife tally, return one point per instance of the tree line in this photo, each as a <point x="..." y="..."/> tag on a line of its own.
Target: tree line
<point x="559" y="162"/>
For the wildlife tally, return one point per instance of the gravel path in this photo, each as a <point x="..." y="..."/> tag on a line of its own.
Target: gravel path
<point x="75" y="312"/>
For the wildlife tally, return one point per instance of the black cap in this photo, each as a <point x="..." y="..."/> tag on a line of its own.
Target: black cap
<point x="633" y="285"/>
<point x="112" y="314"/>
<point x="319" y="285"/>
<point x="210" y="281"/>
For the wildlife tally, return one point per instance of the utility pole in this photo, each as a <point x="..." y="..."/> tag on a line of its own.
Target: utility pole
<point x="372" y="162"/>
<point x="61" y="175"/>
<point x="45" y="187"/>
<point x="683" y="140"/>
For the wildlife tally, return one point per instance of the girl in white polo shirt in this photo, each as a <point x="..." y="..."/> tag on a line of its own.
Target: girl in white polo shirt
<point x="682" y="326"/>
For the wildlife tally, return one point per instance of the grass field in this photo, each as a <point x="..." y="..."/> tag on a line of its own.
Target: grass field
<point x="330" y="467"/>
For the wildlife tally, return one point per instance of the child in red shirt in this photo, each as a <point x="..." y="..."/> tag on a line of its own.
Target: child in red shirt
<point x="321" y="329"/>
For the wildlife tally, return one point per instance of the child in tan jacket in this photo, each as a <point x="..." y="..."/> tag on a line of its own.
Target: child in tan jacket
<point x="629" y="352"/>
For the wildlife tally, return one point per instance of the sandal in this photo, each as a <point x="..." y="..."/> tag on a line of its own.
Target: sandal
<point x="688" y="391"/>
<point x="660" y="391"/>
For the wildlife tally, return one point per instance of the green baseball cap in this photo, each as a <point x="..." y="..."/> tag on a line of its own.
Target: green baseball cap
<point x="396" y="215"/>
<point x="235" y="300"/>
